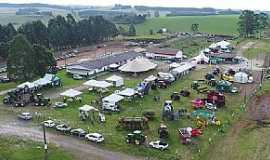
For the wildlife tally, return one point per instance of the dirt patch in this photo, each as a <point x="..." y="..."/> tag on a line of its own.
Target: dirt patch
<point x="259" y="108"/>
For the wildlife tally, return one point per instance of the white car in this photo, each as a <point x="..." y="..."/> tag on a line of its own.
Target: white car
<point x="49" y="123"/>
<point x="25" y="116"/>
<point x="159" y="145"/>
<point x="94" y="137"/>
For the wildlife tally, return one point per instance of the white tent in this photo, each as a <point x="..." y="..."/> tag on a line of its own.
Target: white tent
<point x="97" y="84"/>
<point x="28" y="84"/>
<point x="174" y="65"/>
<point x="113" y="98"/>
<point x="185" y="67"/>
<point x="213" y="46"/>
<point x="114" y="66"/>
<point x="241" y="77"/>
<point x="138" y="65"/>
<point x="128" y="92"/>
<point x="116" y="80"/>
<point x="87" y="108"/>
<point x="71" y="93"/>
<point x="223" y="44"/>
<point x="200" y="58"/>
<point x="150" y="78"/>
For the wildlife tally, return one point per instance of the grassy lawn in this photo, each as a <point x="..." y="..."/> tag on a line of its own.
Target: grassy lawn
<point x="190" y="46"/>
<point x="67" y="80"/>
<point x="260" y="48"/>
<point x="210" y="24"/>
<point x="114" y="138"/>
<point x="6" y="86"/>
<point x="12" y="148"/>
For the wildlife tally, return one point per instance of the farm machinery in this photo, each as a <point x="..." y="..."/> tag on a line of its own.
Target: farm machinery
<point x="19" y="97"/>
<point x="163" y="131"/>
<point x="186" y="134"/>
<point x="175" y="96"/>
<point x="40" y="100"/>
<point x="136" y="137"/>
<point x="216" y="98"/>
<point x="133" y="123"/>
<point x="200" y="86"/>
<point x="204" y="117"/>
<point x="225" y="86"/>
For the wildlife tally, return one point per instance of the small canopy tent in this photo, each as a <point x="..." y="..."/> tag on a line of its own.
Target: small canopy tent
<point x="200" y="59"/>
<point x="85" y="112"/>
<point x="138" y="65"/>
<point x="224" y="44"/>
<point x="117" y="81"/>
<point x="48" y="79"/>
<point x="174" y="65"/>
<point x="98" y="84"/>
<point x="113" y="99"/>
<point x="241" y="77"/>
<point x="128" y="92"/>
<point x="71" y="93"/>
<point x="183" y="69"/>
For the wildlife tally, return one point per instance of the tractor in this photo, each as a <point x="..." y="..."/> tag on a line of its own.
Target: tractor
<point x="216" y="98"/>
<point x="200" y="86"/>
<point x="175" y="96"/>
<point x="133" y="123"/>
<point x="198" y="103"/>
<point x="225" y="86"/>
<point x="204" y="118"/>
<point x="168" y="111"/>
<point x="185" y="93"/>
<point x="163" y="131"/>
<point x="40" y="100"/>
<point x="136" y="137"/>
<point x="150" y="115"/>
<point x="186" y="134"/>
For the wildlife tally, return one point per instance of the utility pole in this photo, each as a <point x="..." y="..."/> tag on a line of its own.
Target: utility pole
<point x="45" y="144"/>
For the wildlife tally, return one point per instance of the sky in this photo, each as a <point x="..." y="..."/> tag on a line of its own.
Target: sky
<point x="222" y="4"/>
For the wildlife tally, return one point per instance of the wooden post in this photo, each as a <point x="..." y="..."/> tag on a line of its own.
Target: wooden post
<point x="45" y="144"/>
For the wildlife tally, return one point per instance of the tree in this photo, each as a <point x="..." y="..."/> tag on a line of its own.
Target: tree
<point x="151" y="31"/>
<point x="247" y="24"/>
<point x="36" y="33"/>
<point x="20" y="61"/>
<point x="43" y="59"/>
<point x="156" y="14"/>
<point x="132" y="30"/>
<point x="122" y="31"/>
<point x="195" y="27"/>
<point x="262" y="22"/>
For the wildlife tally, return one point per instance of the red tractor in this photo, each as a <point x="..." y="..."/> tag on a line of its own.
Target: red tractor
<point x="186" y="134"/>
<point x="216" y="98"/>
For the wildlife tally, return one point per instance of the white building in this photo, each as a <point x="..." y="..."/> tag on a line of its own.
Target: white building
<point x="164" y="53"/>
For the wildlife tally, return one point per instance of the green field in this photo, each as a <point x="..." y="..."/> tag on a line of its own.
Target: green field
<point x="12" y="148"/>
<point x="210" y="24"/>
<point x="114" y="138"/>
<point x="258" y="49"/>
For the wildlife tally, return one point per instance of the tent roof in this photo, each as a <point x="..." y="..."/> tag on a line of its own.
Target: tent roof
<point x="174" y="65"/>
<point x="98" y="84"/>
<point x="201" y="57"/>
<point x="71" y="93"/>
<point x="87" y="108"/>
<point x="128" y="92"/>
<point x="223" y="44"/>
<point x="113" y="98"/>
<point x="186" y="66"/>
<point x="114" y="78"/>
<point x="114" y="65"/>
<point x="150" y="78"/>
<point x="29" y="84"/>
<point x="138" y="65"/>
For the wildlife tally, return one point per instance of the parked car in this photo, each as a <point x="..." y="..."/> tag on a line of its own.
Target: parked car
<point x="63" y="128"/>
<point x="4" y="80"/>
<point x="159" y="145"/>
<point x="95" y="137"/>
<point x="78" y="132"/>
<point x="25" y="116"/>
<point x="60" y="105"/>
<point x="49" y="123"/>
<point x="77" y="77"/>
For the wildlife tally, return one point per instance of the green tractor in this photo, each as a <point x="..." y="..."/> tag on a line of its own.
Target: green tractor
<point x="40" y="100"/>
<point x="226" y="87"/>
<point x="136" y="137"/>
<point x="200" y="86"/>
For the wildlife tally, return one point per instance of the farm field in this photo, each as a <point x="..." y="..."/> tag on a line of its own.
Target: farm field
<point x="114" y="138"/>
<point x="221" y="24"/>
<point x="15" y="149"/>
<point x="258" y="49"/>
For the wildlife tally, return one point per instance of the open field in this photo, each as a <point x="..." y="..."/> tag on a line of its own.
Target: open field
<point x="210" y="24"/>
<point x="12" y="148"/>
<point x="115" y="138"/>
<point x="258" y="49"/>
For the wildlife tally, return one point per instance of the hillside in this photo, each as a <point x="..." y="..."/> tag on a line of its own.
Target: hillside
<point x="221" y="24"/>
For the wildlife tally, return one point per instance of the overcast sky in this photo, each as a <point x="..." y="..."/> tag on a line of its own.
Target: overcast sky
<point x="235" y="4"/>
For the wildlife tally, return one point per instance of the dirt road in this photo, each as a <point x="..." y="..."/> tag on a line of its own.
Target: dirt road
<point x="81" y="149"/>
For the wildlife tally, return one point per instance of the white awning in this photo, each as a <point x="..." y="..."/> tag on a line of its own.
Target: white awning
<point x="28" y="84"/>
<point x="150" y="78"/>
<point x="128" y="92"/>
<point x="185" y="67"/>
<point x="114" y="98"/>
<point x="87" y="108"/>
<point x="98" y="84"/>
<point x="71" y="93"/>
<point x="114" y="78"/>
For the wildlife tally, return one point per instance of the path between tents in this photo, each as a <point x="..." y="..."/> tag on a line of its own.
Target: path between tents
<point x="79" y="148"/>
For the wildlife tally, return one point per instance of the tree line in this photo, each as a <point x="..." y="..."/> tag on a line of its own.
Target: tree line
<point x="252" y="24"/>
<point x="28" y="50"/>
